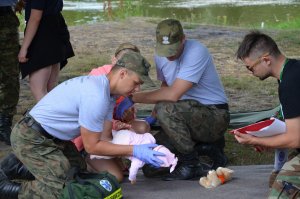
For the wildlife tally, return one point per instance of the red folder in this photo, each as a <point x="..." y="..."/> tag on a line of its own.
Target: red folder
<point x="254" y="127"/>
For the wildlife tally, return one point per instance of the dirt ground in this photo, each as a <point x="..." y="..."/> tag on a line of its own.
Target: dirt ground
<point x="93" y="45"/>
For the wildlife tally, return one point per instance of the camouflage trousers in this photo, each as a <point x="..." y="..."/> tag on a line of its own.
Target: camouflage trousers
<point x="47" y="159"/>
<point x="188" y="122"/>
<point x="9" y="66"/>
<point x="287" y="183"/>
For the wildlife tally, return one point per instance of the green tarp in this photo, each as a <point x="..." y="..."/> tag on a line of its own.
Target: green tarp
<point x="240" y="119"/>
<point x="237" y="119"/>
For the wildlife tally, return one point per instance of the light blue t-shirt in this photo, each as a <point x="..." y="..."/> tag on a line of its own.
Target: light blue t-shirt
<point x="79" y="102"/>
<point x="194" y="65"/>
<point x="8" y="3"/>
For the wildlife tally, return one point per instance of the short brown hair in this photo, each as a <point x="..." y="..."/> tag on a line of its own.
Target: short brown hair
<point x="257" y="43"/>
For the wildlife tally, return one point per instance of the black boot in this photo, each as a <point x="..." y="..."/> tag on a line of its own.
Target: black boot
<point x="5" y="128"/>
<point x="215" y="152"/>
<point x="15" y="169"/>
<point x="8" y="189"/>
<point x="151" y="172"/>
<point x="189" y="167"/>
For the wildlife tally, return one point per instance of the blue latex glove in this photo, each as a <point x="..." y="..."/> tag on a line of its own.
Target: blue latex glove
<point x="123" y="106"/>
<point x="145" y="153"/>
<point x="150" y="120"/>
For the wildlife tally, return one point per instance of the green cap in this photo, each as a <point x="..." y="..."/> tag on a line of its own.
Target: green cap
<point x="169" y="34"/>
<point x="127" y="45"/>
<point x="136" y="62"/>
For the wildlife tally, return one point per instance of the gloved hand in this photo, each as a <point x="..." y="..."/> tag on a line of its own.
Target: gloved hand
<point x="145" y="153"/>
<point x="150" y="120"/>
<point x="123" y="106"/>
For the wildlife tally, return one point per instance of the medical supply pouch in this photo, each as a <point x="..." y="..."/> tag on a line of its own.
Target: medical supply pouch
<point x="101" y="185"/>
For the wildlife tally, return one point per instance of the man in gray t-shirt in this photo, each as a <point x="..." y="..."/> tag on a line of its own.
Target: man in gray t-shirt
<point x="41" y="140"/>
<point x="191" y="105"/>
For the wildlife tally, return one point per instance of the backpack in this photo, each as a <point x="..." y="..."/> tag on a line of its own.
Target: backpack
<point x="101" y="185"/>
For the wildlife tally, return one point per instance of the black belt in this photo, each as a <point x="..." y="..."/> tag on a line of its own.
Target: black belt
<point x="221" y="106"/>
<point x="5" y="9"/>
<point x="31" y="123"/>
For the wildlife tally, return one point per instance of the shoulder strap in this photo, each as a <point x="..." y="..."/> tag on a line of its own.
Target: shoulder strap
<point x="73" y="171"/>
<point x="70" y="191"/>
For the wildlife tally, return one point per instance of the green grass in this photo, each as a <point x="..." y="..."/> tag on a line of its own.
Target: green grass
<point x="132" y="8"/>
<point x="82" y="64"/>
<point x="292" y="24"/>
<point x="22" y="21"/>
<point x="245" y="155"/>
<point x="251" y="84"/>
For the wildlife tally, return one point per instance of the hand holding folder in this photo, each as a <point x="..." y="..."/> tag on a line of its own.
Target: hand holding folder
<point x="265" y="128"/>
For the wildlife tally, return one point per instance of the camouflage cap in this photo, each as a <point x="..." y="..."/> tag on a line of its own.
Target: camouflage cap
<point x="169" y="34"/>
<point x="136" y="62"/>
<point x="129" y="46"/>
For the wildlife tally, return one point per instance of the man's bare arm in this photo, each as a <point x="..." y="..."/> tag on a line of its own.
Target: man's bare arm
<point x="106" y="135"/>
<point x="94" y="145"/>
<point x="165" y="93"/>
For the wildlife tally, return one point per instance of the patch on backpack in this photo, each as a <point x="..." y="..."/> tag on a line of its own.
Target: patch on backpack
<point x="106" y="185"/>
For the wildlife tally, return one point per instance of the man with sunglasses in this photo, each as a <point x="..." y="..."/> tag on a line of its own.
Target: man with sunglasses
<point x="263" y="58"/>
<point x="258" y="61"/>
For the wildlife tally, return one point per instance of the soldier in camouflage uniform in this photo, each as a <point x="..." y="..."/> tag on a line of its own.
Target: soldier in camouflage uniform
<point x="79" y="106"/>
<point x="263" y="58"/>
<point x="9" y="68"/>
<point x="191" y="105"/>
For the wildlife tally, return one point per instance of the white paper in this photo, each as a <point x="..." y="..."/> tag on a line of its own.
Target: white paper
<point x="277" y="127"/>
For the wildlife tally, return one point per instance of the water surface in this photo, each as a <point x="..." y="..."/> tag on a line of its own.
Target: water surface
<point x="245" y="13"/>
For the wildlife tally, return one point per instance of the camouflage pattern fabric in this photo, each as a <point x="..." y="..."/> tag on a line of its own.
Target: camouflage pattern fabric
<point x="47" y="159"/>
<point x="9" y="68"/>
<point x="125" y="46"/>
<point x="188" y="122"/>
<point x="169" y="34"/>
<point x="287" y="183"/>
<point x="135" y="62"/>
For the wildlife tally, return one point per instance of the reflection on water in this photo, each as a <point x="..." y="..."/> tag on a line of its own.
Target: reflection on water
<point x="264" y="13"/>
<point x="76" y="5"/>
<point x="202" y="3"/>
<point x="93" y="5"/>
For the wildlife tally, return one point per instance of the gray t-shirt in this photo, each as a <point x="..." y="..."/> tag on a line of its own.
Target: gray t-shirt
<point x="79" y="102"/>
<point x="7" y="3"/>
<point x="194" y="65"/>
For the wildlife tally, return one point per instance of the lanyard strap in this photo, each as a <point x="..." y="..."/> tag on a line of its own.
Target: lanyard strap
<point x="284" y="64"/>
<point x="281" y="116"/>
